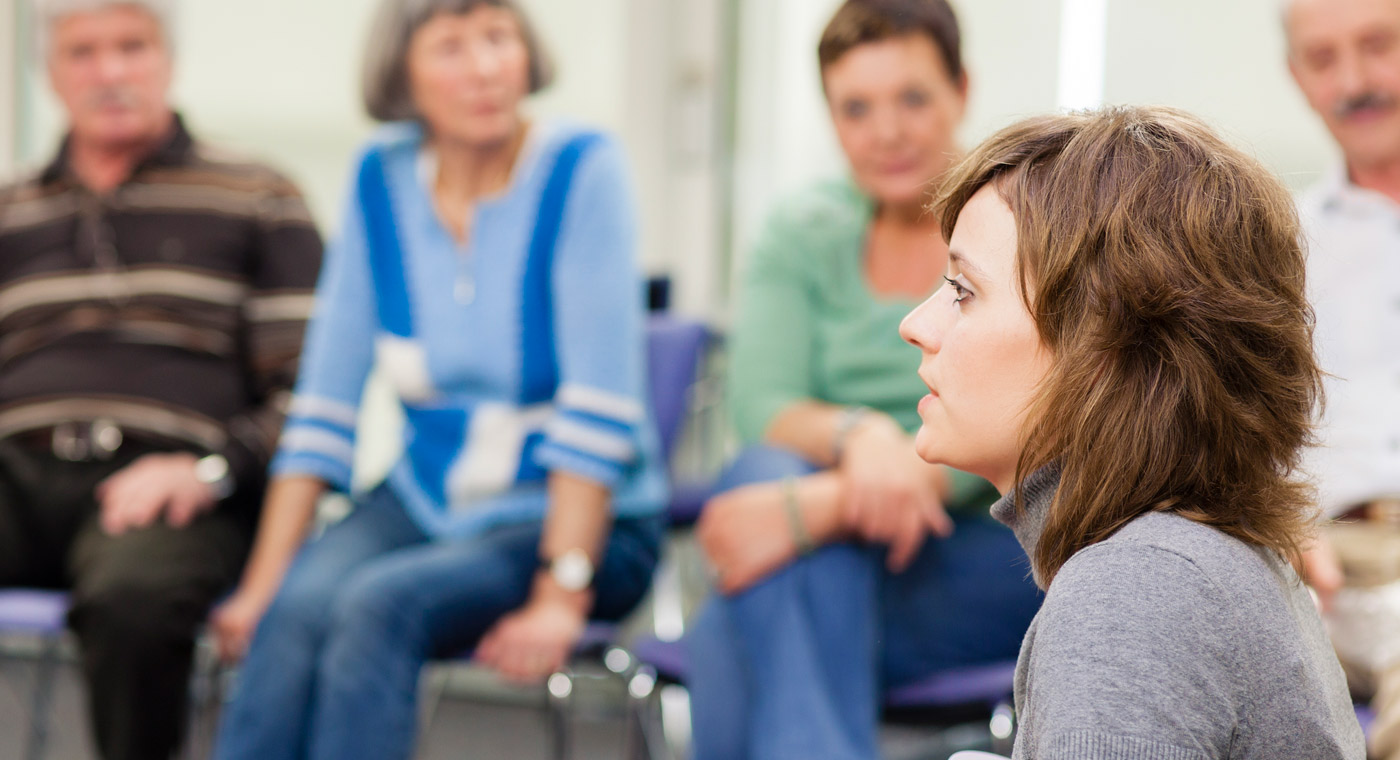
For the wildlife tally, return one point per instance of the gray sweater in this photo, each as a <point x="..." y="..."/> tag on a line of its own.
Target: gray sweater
<point x="1173" y="641"/>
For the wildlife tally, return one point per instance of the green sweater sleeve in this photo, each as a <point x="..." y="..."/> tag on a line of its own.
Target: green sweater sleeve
<point x="771" y="343"/>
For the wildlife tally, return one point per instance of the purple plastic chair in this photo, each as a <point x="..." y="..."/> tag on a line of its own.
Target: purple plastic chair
<point x="43" y="615"/>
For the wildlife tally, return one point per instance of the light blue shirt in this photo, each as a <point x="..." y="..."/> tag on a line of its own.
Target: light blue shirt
<point x="477" y="449"/>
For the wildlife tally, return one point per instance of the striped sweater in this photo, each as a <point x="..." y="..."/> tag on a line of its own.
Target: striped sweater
<point x="173" y="305"/>
<point x="464" y="334"/>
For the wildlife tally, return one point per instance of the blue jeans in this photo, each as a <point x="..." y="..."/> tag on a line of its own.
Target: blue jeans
<point x="794" y="667"/>
<point x="332" y="671"/>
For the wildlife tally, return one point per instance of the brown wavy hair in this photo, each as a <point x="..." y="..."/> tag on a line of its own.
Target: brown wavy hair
<point x="1164" y="272"/>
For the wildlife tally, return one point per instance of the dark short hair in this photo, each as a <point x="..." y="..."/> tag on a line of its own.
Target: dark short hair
<point x="385" y="86"/>
<point x="859" y="22"/>
<point x="1165" y="274"/>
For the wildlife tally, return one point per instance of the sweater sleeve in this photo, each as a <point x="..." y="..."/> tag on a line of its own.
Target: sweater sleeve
<point x="598" y="326"/>
<point x="287" y="254"/>
<point x="1126" y="662"/>
<point x="319" y="436"/>
<point x="771" y="343"/>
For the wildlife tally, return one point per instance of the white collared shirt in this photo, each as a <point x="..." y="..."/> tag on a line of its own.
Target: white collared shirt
<point x="1354" y="283"/>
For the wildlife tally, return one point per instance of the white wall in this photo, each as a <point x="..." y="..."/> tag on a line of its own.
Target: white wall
<point x="280" y="80"/>
<point x="8" y="87"/>
<point x="1230" y="70"/>
<point x="785" y="136"/>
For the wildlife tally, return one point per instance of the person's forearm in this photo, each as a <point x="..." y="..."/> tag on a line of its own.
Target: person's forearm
<point x="812" y="428"/>
<point x="819" y="502"/>
<point x="286" y="519"/>
<point x="579" y="517"/>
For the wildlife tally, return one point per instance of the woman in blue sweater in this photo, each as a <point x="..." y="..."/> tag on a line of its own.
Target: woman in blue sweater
<point x="486" y="266"/>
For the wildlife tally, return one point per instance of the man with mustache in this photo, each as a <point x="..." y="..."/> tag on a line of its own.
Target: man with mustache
<point x="1345" y="57"/>
<point x="153" y="295"/>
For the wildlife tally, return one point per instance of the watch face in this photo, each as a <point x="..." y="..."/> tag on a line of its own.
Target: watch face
<point x="573" y="570"/>
<point x="211" y="469"/>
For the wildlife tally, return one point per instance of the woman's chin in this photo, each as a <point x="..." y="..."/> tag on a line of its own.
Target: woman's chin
<point x="926" y="447"/>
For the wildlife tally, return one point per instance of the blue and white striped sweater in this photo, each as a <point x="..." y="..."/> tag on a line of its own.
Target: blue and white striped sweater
<point x="480" y="434"/>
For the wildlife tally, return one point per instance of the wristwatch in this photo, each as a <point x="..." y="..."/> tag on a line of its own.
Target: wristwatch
<point x="572" y="570"/>
<point x="213" y="471"/>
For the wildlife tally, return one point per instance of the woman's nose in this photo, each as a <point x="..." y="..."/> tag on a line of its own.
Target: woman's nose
<point x="919" y="327"/>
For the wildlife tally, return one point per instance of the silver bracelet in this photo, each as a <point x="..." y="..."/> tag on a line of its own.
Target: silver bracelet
<point x="850" y="417"/>
<point x="800" y="536"/>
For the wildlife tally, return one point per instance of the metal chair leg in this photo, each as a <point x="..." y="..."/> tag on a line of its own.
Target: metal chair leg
<point x="45" y="673"/>
<point x="1003" y="728"/>
<point x="559" y="705"/>
<point x="646" y="717"/>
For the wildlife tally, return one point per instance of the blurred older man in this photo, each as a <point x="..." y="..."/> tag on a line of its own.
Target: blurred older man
<point x="1345" y="57"/>
<point x="152" y="301"/>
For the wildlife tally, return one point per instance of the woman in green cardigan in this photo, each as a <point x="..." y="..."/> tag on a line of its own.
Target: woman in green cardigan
<point x="845" y="564"/>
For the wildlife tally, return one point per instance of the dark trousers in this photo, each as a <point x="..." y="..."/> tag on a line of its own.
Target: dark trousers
<point x="138" y="599"/>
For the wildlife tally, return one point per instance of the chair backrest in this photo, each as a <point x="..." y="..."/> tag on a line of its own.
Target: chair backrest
<point x="675" y="347"/>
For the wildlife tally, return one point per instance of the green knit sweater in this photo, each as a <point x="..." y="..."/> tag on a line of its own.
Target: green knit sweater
<point x="810" y="327"/>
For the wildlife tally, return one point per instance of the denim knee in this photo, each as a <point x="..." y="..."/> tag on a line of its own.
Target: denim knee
<point x="371" y="612"/>
<point x="762" y="464"/>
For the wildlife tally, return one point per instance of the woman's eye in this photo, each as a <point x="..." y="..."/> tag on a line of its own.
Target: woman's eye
<point x="854" y="109"/>
<point x="914" y="98"/>
<point x="961" y="292"/>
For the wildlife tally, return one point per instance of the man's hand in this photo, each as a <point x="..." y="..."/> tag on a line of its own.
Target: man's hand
<point x="134" y="496"/>
<point x="528" y="644"/>
<point x="1322" y="571"/>
<point x="891" y="495"/>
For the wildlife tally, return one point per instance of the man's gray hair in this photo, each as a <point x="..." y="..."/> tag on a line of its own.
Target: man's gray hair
<point x="385" y="86"/>
<point x="47" y="13"/>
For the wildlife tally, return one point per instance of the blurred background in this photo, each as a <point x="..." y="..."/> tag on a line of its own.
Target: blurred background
<point x="718" y="101"/>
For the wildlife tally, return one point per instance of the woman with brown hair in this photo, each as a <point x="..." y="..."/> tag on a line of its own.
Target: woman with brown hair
<point x="1123" y="348"/>
<point x="845" y="564"/>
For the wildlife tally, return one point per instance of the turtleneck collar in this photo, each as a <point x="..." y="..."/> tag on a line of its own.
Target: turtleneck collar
<point x="1037" y="492"/>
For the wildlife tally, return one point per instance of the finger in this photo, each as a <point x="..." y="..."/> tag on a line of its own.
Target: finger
<point x="906" y="543"/>
<point x="937" y="519"/>
<point x="181" y="510"/>
<point x="142" y="509"/>
<point x="487" y="650"/>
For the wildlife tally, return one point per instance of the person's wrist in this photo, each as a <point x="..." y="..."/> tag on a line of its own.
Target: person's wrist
<point x="213" y="471"/>
<point x="801" y="536"/>
<point x="546" y="590"/>
<point x="870" y="427"/>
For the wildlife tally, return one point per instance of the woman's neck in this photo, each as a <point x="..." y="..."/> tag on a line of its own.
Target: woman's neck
<point x="467" y="171"/>
<point x="905" y="254"/>
<point x="1381" y="177"/>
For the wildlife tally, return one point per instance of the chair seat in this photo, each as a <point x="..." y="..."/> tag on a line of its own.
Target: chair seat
<point x="687" y="499"/>
<point x="33" y="612"/>
<point x="666" y="657"/>
<point x="989" y="683"/>
<point x="1365" y="716"/>
<point x="986" y="684"/>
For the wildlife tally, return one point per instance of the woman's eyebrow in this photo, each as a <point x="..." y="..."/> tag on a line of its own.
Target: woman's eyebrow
<point x="967" y="267"/>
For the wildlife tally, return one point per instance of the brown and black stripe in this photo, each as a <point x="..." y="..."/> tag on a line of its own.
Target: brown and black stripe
<point x="173" y="305"/>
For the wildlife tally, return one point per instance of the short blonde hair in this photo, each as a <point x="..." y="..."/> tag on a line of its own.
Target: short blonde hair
<point x="385" y="86"/>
